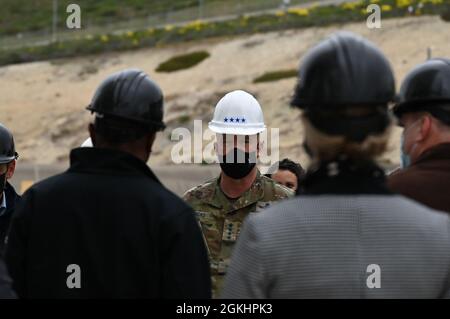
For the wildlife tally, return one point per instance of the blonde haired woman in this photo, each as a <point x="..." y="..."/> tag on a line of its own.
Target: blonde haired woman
<point x="348" y="236"/>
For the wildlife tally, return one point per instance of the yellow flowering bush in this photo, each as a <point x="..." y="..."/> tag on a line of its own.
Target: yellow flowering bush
<point x="403" y="3"/>
<point x="433" y="1"/>
<point x="351" y="5"/>
<point x="299" y="11"/>
<point x="196" y="25"/>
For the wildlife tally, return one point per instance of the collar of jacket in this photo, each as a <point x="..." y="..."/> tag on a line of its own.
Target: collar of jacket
<point x="11" y="199"/>
<point x="218" y="199"/>
<point x="437" y="153"/>
<point x="107" y="161"/>
<point x="345" y="176"/>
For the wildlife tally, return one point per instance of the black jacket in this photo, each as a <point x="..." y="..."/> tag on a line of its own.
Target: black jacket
<point x="110" y="216"/>
<point x="5" y="283"/>
<point x="12" y="200"/>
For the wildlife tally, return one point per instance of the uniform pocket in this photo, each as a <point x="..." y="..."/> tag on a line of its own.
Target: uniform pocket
<point x="210" y="225"/>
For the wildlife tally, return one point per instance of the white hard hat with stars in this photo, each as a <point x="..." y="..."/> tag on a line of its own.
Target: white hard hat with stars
<point x="237" y="113"/>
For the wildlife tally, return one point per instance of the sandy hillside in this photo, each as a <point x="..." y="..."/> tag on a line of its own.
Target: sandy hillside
<point x="43" y="103"/>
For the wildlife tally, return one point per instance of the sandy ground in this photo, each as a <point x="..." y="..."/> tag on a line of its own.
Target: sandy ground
<point x="43" y="103"/>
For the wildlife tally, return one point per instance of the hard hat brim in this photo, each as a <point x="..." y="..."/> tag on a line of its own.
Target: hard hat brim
<point x="6" y="160"/>
<point x="225" y="129"/>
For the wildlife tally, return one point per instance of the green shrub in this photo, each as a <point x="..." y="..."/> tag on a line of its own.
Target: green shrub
<point x="276" y="75"/>
<point x="181" y="62"/>
<point x="184" y="119"/>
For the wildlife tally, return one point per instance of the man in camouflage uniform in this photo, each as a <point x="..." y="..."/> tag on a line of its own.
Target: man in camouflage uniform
<point x="221" y="204"/>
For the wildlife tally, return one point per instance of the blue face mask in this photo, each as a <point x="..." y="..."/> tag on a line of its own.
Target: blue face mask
<point x="405" y="158"/>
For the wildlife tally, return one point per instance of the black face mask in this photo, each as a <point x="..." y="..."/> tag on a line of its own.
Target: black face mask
<point x="237" y="170"/>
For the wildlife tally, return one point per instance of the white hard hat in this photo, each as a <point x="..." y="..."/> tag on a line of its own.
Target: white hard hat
<point x="237" y="113"/>
<point x="87" y="143"/>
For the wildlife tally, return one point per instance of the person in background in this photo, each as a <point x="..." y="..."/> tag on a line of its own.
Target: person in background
<point x="423" y="111"/>
<point x="288" y="173"/>
<point x="8" y="196"/>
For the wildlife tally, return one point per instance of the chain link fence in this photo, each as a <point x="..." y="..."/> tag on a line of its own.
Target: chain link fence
<point x="206" y="10"/>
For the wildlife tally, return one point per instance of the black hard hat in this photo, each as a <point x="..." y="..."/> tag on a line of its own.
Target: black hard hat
<point x="345" y="71"/>
<point x="130" y="95"/>
<point x="426" y="88"/>
<point x="7" y="149"/>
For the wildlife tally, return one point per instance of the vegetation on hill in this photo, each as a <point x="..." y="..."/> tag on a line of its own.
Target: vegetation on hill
<point x="276" y="75"/>
<point x="292" y="18"/>
<point x="181" y="62"/>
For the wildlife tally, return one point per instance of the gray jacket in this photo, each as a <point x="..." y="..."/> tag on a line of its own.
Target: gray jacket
<point x="351" y="246"/>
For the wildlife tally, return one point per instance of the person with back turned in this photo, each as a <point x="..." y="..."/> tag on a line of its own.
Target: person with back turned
<point x="107" y="228"/>
<point x="6" y="291"/>
<point x="347" y="236"/>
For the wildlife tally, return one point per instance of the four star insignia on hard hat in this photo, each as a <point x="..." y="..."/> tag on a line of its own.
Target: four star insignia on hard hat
<point x="231" y="119"/>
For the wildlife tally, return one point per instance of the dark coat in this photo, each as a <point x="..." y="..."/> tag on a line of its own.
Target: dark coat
<point x="5" y="283"/>
<point x="12" y="199"/>
<point x="111" y="217"/>
<point x="427" y="180"/>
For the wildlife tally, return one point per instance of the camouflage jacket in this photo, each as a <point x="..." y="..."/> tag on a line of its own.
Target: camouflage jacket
<point x="220" y="218"/>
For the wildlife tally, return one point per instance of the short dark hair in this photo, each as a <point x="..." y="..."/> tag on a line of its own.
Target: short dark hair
<point x="116" y="130"/>
<point x="293" y="167"/>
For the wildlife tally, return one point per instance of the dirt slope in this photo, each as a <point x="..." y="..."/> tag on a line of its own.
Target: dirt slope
<point x="43" y="103"/>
